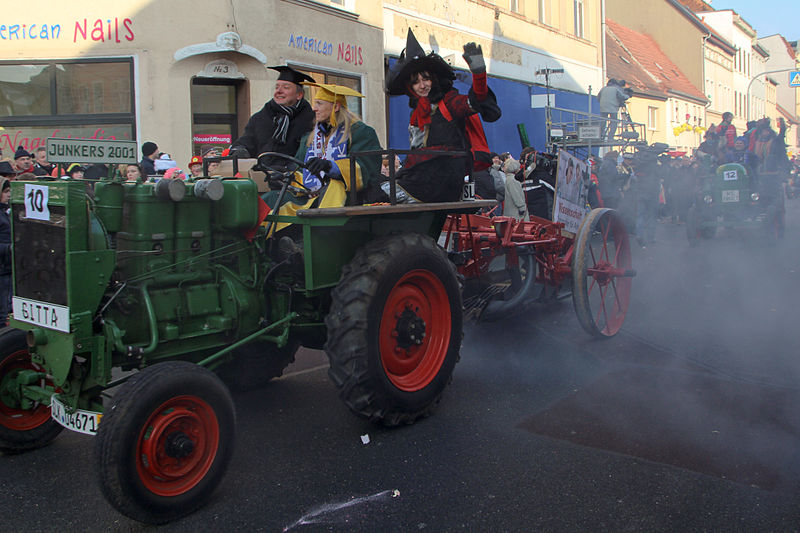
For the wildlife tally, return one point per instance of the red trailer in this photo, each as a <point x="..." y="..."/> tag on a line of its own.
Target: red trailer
<point x="505" y="262"/>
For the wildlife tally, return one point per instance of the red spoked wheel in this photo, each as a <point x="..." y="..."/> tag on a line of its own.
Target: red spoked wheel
<point x="415" y="330"/>
<point x="165" y="441"/>
<point x="602" y="273"/>
<point x="22" y="428"/>
<point x="394" y="328"/>
<point x="177" y="445"/>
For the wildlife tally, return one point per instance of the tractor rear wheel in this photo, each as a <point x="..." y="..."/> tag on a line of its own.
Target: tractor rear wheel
<point x="601" y="273"/>
<point x="165" y="442"/>
<point x="395" y="328"/>
<point x="21" y="428"/>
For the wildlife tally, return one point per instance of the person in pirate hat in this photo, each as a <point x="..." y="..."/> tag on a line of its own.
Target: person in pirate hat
<point x="326" y="148"/>
<point x="438" y="120"/>
<point x="282" y="121"/>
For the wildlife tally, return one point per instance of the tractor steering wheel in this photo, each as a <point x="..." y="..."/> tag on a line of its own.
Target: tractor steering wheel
<point x="279" y="176"/>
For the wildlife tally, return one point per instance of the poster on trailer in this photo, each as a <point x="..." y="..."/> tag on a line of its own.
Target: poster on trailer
<point x="569" y="202"/>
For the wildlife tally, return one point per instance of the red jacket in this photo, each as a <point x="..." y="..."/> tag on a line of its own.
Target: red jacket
<point x="730" y="133"/>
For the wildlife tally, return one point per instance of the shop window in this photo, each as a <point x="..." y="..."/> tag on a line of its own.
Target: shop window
<point x="89" y="98"/>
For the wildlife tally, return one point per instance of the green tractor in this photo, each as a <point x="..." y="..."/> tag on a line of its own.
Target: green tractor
<point x="157" y="291"/>
<point x="731" y="199"/>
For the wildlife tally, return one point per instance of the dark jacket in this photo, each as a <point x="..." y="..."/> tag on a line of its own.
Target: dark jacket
<point x="40" y="170"/>
<point x="5" y="240"/>
<point x="148" y="167"/>
<point x="484" y="184"/>
<point x="257" y="137"/>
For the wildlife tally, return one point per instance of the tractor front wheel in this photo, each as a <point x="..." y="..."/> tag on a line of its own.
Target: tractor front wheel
<point x="23" y="427"/>
<point x="165" y="442"/>
<point x="395" y="328"/>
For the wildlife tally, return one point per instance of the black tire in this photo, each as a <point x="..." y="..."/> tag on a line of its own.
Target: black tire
<point x="254" y="364"/>
<point x="21" y="429"/>
<point x="521" y="284"/>
<point x="695" y="230"/>
<point x="393" y="288"/>
<point x="143" y="435"/>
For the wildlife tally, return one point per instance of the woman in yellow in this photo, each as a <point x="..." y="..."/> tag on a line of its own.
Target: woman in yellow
<point x="325" y="151"/>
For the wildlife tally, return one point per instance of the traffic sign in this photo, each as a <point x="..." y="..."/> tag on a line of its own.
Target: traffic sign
<point x="794" y="78"/>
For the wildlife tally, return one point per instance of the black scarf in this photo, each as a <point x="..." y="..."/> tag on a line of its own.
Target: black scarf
<point x="282" y="115"/>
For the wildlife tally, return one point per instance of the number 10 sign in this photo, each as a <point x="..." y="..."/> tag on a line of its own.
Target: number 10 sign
<point x="36" y="197"/>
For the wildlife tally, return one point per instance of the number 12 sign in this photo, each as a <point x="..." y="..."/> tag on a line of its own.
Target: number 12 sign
<point x="36" y="197"/>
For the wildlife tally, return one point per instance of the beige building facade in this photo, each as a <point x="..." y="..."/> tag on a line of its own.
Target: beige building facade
<point x="518" y="38"/>
<point x="175" y="73"/>
<point x="663" y="20"/>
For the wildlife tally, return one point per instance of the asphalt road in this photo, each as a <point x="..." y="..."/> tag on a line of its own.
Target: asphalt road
<point x="687" y="420"/>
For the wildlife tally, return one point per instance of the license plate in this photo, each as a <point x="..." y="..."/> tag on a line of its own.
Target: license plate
<point x="81" y="421"/>
<point x="730" y="195"/>
<point x="43" y="314"/>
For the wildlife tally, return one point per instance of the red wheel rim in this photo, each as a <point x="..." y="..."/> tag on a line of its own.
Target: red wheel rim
<point x="417" y="307"/>
<point x="12" y="417"/>
<point x="610" y="285"/>
<point x="177" y="445"/>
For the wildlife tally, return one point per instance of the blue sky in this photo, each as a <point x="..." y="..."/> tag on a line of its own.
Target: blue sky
<point x="768" y="17"/>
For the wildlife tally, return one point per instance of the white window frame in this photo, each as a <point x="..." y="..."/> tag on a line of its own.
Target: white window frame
<point x="652" y="118"/>
<point x="579" y="12"/>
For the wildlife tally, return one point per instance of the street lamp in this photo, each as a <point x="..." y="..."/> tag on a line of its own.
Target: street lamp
<point x="749" y="85"/>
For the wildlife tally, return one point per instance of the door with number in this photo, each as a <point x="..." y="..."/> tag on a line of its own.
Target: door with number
<point x="215" y="112"/>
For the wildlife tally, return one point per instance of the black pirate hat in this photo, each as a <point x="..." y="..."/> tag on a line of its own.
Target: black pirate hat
<point x="413" y="59"/>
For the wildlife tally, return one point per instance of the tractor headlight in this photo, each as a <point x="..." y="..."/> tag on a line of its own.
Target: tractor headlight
<point x="754" y="196"/>
<point x="708" y="199"/>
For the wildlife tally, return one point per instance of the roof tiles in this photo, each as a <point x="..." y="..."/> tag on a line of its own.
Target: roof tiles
<point x="637" y="58"/>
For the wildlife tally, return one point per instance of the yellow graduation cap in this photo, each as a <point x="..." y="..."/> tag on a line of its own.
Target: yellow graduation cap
<point x="328" y="92"/>
<point x="333" y="93"/>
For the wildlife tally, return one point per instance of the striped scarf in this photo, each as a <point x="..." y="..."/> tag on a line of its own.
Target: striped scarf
<point x="282" y="115"/>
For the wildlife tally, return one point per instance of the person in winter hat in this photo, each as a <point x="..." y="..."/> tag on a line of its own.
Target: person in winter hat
<point x="23" y="162"/>
<point x="149" y="155"/>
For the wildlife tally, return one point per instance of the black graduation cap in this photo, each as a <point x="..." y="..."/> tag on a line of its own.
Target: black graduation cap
<point x="290" y="74"/>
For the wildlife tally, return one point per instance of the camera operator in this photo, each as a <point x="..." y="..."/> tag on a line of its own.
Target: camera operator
<point x="611" y="98"/>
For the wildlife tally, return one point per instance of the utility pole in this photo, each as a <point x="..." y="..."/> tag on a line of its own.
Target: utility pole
<point x="546" y="72"/>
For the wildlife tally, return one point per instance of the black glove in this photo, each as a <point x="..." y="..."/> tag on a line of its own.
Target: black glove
<point x="239" y="151"/>
<point x="473" y="55"/>
<point x="317" y="165"/>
